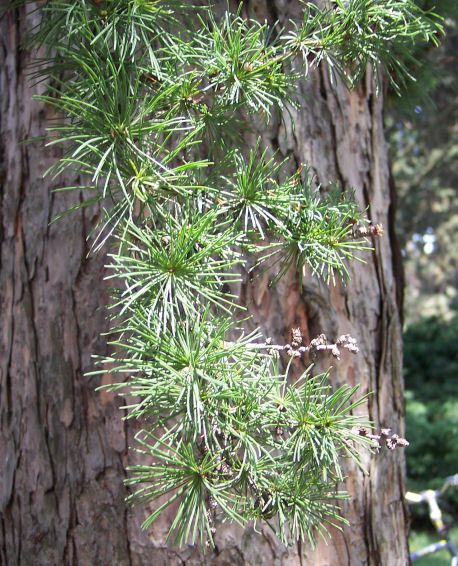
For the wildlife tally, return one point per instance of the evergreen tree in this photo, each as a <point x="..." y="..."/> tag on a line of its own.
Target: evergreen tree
<point x="156" y="96"/>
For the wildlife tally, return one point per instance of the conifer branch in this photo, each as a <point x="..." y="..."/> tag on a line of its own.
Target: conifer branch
<point x="153" y="113"/>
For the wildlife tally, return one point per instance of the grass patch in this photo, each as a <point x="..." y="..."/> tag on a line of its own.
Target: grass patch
<point x="419" y="539"/>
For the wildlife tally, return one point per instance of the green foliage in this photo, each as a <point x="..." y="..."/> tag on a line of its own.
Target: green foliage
<point x="423" y="137"/>
<point x="263" y="470"/>
<point x="431" y="367"/>
<point x="172" y="263"/>
<point x="421" y="127"/>
<point x="421" y="539"/>
<point x="350" y="34"/>
<point x="318" y="233"/>
<point x="153" y="115"/>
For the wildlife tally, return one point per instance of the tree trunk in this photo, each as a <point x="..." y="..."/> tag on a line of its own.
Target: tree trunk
<point x="64" y="445"/>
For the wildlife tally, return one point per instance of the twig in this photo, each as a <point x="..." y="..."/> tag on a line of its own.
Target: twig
<point x="295" y="349"/>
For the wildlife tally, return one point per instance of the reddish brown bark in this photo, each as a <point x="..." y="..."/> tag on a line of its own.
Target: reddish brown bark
<point x="64" y="445"/>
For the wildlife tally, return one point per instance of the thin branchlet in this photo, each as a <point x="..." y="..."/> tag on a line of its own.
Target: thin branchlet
<point x="296" y="349"/>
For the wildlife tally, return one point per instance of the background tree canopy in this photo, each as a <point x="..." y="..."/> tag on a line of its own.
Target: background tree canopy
<point x="423" y="135"/>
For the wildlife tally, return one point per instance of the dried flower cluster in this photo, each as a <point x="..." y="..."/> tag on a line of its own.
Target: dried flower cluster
<point x="318" y="344"/>
<point x="391" y="442"/>
<point x="367" y="230"/>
